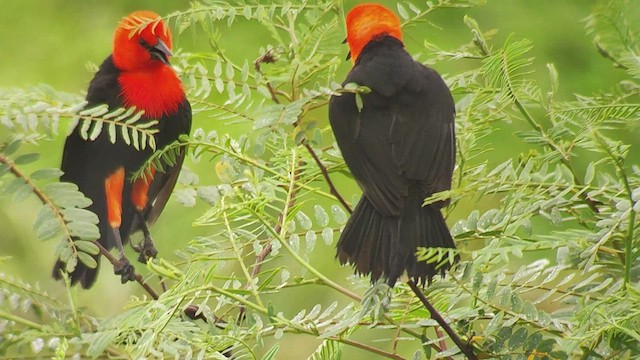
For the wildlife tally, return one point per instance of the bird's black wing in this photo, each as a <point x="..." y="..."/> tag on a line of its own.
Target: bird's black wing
<point x="402" y="134"/>
<point x="88" y="163"/>
<point x="164" y="182"/>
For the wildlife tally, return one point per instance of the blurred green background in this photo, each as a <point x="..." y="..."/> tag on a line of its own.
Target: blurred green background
<point x="47" y="41"/>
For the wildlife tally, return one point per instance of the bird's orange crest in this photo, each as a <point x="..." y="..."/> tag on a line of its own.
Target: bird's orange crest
<point x="367" y="21"/>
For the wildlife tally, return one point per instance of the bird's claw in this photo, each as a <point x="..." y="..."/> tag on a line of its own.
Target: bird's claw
<point x="126" y="271"/>
<point x="147" y="250"/>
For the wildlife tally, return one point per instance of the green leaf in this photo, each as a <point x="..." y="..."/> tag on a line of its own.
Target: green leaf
<point x="271" y="354"/>
<point x="135" y="138"/>
<point x="13" y="186"/>
<point x="338" y="214"/>
<point x="517" y="339"/>
<point x="133" y="119"/>
<point x="125" y="135"/>
<point x="87" y="259"/>
<point x="66" y="195"/>
<point x="85" y="231"/>
<point x="327" y="236"/>
<point x="46" y="174"/>
<point x="70" y="263"/>
<point x="310" y="241"/>
<point x="246" y="12"/>
<point x="209" y="194"/>
<point x="84" y="128"/>
<point x="230" y="71"/>
<point x="321" y="215"/>
<point x="22" y="193"/>
<point x="495" y="323"/>
<point x="96" y="130"/>
<point x="12" y="147"/>
<point x="359" y="102"/>
<point x="532" y="342"/>
<point x="590" y="173"/>
<point x="112" y="132"/>
<point x="80" y="215"/>
<point x="98" y="342"/>
<point x="294" y="242"/>
<point x="303" y="220"/>
<point x="546" y="346"/>
<point x="87" y="246"/>
<point x="47" y="229"/>
<point x="402" y="11"/>
<point x="26" y="158"/>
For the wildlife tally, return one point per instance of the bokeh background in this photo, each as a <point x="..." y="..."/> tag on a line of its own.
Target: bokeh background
<point x="51" y="42"/>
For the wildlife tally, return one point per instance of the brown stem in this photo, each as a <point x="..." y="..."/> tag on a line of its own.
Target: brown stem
<point x="439" y="335"/>
<point x="435" y="315"/>
<point x="325" y="174"/>
<point x="370" y="349"/>
<point x="268" y="58"/>
<point x="112" y="259"/>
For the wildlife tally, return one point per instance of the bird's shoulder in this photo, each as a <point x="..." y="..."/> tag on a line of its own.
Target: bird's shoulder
<point x="104" y="87"/>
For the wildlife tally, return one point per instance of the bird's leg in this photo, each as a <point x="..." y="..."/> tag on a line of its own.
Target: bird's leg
<point x="113" y="186"/>
<point x="147" y="248"/>
<point x="126" y="271"/>
<point x="139" y="197"/>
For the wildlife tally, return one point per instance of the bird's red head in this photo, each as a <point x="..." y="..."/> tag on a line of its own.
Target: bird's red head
<point x="365" y="22"/>
<point x="142" y="40"/>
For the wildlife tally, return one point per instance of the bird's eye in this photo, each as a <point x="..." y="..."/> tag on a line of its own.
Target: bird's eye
<point x="143" y="43"/>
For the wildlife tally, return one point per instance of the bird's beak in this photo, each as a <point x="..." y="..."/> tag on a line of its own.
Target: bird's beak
<point x="161" y="52"/>
<point x="349" y="53"/>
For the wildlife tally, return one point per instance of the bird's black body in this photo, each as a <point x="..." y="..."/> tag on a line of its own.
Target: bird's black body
<point x="400" y="148"/>
<point x="89" y="163"/>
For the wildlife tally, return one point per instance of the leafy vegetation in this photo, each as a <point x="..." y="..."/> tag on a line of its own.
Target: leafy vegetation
<point x="550" y="271"/>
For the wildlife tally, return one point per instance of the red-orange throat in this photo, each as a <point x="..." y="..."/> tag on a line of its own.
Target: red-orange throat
<point x="157" y="91"/>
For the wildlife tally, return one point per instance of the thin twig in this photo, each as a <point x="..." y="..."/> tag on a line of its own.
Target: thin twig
<point x="435" y="315"/>
<point x="369" y="348"/>
<point x="115" y="262"/>
<point x="268" y="58"/>
<point x="325" y="174"/>
<point x="439" y="335"/>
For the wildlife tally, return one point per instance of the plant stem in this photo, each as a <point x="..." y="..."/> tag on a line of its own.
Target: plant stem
<point x="325" y="174"/>
<point x="435" y="315"/>
<point x="43" y="198"/>
<point x="370" y="349"/>
<point x="19" y="320"/>
<point x="112" y="259"/>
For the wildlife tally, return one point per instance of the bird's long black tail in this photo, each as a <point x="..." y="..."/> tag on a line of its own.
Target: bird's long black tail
<point x="82" y="274"/>
<point x="385" y="246"/>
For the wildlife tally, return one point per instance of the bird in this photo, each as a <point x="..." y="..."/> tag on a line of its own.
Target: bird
<point x="137" y="74"/>
<point x="397" y="138"/>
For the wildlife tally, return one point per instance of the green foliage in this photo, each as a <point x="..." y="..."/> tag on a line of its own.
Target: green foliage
<point x="549" y="259"/>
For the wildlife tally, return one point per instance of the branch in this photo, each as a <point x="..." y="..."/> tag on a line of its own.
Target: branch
<point x="435" y="315"/>
<point x="366" y="347"/>
<point x="268" y="58"/>
<point x="325" y="174"/>
<point x="115" y="262"/>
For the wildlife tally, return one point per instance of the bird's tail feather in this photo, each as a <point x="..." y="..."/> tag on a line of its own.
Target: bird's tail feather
<point x="82" y="274"/>
<point x="386" y="246"/>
